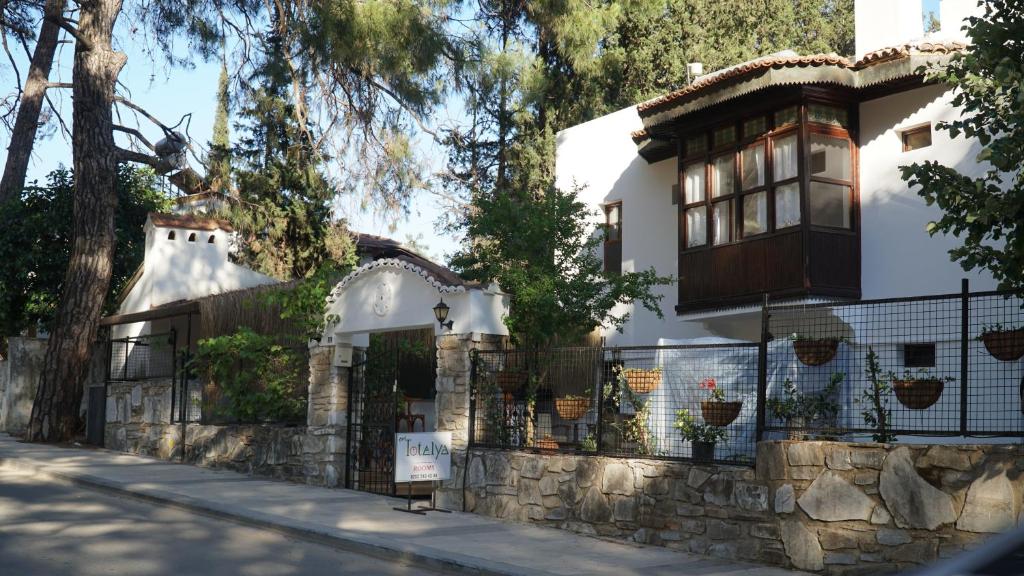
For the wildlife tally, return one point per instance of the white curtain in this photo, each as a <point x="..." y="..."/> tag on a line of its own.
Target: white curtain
<point x="785" y="158"/>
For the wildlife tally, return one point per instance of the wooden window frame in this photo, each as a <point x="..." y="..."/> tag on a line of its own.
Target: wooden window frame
<point x="905" y="134"/>
<point x="618" y="239"/>
<point x="851" y="184"/>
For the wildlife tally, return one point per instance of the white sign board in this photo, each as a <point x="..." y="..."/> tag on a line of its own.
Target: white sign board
<point x="423" y="456"/>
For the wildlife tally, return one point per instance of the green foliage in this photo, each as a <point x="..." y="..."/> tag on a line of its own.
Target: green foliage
<point x="219" y="172"/>
<point x="820" y="407"/>
<point x="877" y="415"/>
<point x="283" y="213"/>
<point x="35" y="244"/>
<point x="256" y="377"/>
<point x="543" y="251"/>
<point x="984" y="210"/>
<point x="305" y="303"/>
<point x="695" y="431"/>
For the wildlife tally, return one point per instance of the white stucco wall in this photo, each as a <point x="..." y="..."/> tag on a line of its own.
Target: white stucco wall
<point x="899" y="258"/>
<point x="389" y="295"/>
<point x="601" y="157"/>
<point x="175" y="270"/>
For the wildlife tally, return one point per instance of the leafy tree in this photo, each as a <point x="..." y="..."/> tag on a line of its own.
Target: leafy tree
<point x="548" y="262"/>
<point x="985" y="211"/>
<point x="35" y="244"/>
<point x="283" y="210"/>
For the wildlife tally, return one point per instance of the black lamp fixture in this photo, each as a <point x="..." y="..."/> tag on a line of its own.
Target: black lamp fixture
<point x="441" y="313"/>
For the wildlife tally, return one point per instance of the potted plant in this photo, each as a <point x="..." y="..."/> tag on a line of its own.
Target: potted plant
<point x="702" y="436"/>
<point x="798" y="409"/>
<point x="572" y="407"/>
<point x="813" y="351"/>
<point x="643" y="381"/>
<point x="547" y="444"/>
<point x="919" y="390"/>
<point x="716" y="410"/>
<point x="1003" y="342"/>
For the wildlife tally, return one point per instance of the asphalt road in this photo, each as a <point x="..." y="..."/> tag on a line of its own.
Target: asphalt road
<point x="53" y="529"/>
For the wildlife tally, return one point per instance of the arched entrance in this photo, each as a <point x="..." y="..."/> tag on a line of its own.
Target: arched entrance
<point x="384" y="331"/>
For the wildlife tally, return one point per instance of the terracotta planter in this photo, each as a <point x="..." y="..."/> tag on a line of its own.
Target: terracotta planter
<point x="918" y="394"/>
<point x="643" y="381"/>
<point x="720" y="413"/>
<point x="547" y="444"/>
<point x="703" y="451"/>
<point x="815" y="352"/>
<point x="1005" y="345"/>
<point x="510" y="381"/>
<point x="572" y="408"/>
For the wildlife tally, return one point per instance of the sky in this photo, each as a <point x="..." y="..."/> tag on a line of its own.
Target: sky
<point x="170" y="93"/>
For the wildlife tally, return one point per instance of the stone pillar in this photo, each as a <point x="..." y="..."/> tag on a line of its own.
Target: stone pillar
<point x="327" y="420"/>
<point x="454" y="367"/>
<point x="21" y="371"/>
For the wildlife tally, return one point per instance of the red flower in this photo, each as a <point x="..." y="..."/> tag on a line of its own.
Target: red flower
<point x="707" y="384"/>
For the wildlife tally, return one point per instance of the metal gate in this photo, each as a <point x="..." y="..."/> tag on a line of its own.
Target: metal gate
<point x="373" y="399"/>
<point x="379" y="383"/>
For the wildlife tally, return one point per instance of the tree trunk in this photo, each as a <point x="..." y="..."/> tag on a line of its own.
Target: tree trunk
<point x="56" y="411"/>
<point x="26" y="124"/>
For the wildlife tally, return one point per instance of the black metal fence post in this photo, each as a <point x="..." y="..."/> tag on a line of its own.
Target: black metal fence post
<point x="762" y="371"/>
<point x="601" y="376"/>
<point x="965" y="318"/>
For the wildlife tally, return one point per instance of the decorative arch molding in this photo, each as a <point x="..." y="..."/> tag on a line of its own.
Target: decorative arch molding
<point x="396" y="263"/>
<point x="394" y="294"/>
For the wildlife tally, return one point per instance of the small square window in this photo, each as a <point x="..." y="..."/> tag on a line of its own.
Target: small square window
<point x="920" y="137"/>
<point x="919" y="355"/>
<point x="755" y="127"/>
<point x="786" y="116"/>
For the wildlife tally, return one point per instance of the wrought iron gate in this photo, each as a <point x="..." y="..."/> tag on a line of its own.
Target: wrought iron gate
<point x="373" y="405"/>
<point x="379" y="383"/>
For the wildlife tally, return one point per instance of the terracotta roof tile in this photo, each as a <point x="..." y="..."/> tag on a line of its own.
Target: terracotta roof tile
<point x="786" y="61"/>
<point x="189" y="221"/>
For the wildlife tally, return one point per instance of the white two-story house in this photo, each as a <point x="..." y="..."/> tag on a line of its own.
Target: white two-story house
<point x="780" y="176"/>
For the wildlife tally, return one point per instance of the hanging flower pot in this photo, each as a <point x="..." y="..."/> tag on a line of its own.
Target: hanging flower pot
<point x="572" y="407"/>
<point x="643" y="381"/>
<point x="703" y="451"/>
<point x="510" y="381"/>
<point x="720" y="413"/>
<point x="1005" y="345"/>
<point x="547" y="444"/>
<point x="815" y="352"/>
<point x="918" y="394"/>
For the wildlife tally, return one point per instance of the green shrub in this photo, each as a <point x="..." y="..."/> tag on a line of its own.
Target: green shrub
<point x="258" y="379"/>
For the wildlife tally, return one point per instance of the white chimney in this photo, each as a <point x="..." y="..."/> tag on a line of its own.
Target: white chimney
<point x="953" y="15"/>
<point x="885" y="23"/>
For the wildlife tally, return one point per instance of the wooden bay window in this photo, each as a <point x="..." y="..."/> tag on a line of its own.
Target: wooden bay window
<point x="767" y="200"/>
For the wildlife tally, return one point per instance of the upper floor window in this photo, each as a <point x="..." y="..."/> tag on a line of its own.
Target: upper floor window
<point x="914" y="138"/>
<point x="759" y="174"/>
<point x="613" y="238"/>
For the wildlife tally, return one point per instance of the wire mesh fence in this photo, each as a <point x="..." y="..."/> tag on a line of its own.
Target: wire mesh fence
<point x="143" y="357"/>
<point x="931" y="366"/>
<point x="884" y="368"/>
<point x="653" y="402"/>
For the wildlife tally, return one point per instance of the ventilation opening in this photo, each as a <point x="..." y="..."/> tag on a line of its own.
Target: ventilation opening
<point x="919" y="355"/>
<point x="917" y="138"/>
<point x="192" y="237"/>
<point x="170" y="235"/>
<point x="210" y="241"/>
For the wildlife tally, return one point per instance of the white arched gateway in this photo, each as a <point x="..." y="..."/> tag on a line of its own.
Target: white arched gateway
<point x="415" y="375"/>
<point x="397" y="294"/>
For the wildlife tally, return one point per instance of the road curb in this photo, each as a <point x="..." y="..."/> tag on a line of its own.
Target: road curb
<point x="384" y="549"/>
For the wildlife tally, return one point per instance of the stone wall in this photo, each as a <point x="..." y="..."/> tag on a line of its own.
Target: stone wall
<point x="454" y="371"/>
<point x="834" y="508"/>
<point x="139" y="422"/>
<point x="19" y="378"/>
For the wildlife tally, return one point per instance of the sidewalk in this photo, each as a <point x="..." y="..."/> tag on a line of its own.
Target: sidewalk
<point x="362" y="522"/>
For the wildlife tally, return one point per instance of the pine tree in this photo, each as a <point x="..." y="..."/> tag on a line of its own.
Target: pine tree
<point x="219" y="176"/>
<point x="283" y="210"/>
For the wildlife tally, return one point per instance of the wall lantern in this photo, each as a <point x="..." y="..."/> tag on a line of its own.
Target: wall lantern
<point x="441" y="313"/>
